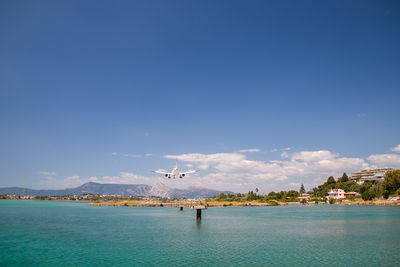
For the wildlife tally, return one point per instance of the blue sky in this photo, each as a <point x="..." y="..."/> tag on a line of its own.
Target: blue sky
<point x="107" y="91"/>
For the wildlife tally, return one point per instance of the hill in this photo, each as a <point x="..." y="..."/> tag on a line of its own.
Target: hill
<point x="158" y="190"/>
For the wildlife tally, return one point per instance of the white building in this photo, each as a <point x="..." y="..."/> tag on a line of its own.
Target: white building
<point x="369" y="175"/>
<point x="305" y="197"/>
<point x="336" y="194"/>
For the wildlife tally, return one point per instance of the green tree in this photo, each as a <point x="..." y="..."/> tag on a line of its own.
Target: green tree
<point x="302" y="189"/>
<point x="292" y="194"/>
<point x="344" y="178"/>
<point x="364" y="187"/>
<point x="368" y="195"/>
<point x="281" y="195"/>
<point x="221" y="196"/>
<point x="331" y="180"/>
<point x="272" y="195"/>
<point x="251" y="196"/>
<point x="391" y="183"/>
<point x="315" y="191"/>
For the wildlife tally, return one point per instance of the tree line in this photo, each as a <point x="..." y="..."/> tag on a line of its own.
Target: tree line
<point x="389" y="186"/>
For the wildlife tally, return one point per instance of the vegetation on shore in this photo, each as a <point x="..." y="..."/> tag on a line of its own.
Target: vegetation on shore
<point x="370" y="193"/>
<point x="390" y="186"/>
<point x="184" y="203"/>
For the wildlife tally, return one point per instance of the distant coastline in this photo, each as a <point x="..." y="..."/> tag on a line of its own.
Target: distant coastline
<point x="235" y="204"/>
<point x="210" y="203"/>
<point x="183" y="204"/>
<point x="381" y="190"/>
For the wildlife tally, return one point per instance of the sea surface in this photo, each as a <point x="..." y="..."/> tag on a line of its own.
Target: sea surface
<point x="52" y="233"/>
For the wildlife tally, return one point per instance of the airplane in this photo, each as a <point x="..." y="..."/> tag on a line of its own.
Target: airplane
<point x="175" y="172"/>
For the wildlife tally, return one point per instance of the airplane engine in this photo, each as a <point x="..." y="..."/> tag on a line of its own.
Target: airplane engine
<point x="183" y="175"/>
<point x="166" y="175"/>
<point x="169" y="176"/>
<point x="180" y="176"/>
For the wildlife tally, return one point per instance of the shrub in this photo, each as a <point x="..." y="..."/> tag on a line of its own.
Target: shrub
<point x="368" y="195"/>
<point x="273" y="203"/>
<point x="332" y="201"/>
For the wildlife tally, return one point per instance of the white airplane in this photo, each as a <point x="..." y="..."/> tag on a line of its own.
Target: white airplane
<point x="175" y="172"/>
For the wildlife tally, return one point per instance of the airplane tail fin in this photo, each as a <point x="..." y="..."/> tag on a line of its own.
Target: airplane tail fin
<point x="176" y="163"/>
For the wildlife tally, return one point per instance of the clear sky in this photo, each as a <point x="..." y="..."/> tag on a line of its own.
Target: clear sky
<point x="109" y="90"/>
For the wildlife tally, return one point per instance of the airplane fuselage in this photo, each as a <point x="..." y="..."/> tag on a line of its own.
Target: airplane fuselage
<point x="175" y="172"/>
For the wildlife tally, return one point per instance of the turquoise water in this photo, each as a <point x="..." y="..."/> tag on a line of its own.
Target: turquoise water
<point x="50" y="233"/>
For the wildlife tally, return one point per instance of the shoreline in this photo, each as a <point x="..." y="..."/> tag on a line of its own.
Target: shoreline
<point x="139" y="203"/>
<point x="185" y="204"/>
<point x="237" y="204"/>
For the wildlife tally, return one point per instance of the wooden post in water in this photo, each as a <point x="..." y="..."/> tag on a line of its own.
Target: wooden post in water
<point x="181" y="208"/>
<point x="198" y="217"/>
<point x="198" y="209"/>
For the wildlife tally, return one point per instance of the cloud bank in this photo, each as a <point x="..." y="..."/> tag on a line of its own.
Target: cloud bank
<point x="396" y="149"/>
<point x="237" y="172"/>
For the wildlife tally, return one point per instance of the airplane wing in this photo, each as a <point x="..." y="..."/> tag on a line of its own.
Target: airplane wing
<point x="162" y="172"/>
<point x="189" y="172"/>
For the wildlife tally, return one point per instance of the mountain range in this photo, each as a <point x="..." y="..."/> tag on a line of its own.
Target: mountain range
<point x="157" y="190"/>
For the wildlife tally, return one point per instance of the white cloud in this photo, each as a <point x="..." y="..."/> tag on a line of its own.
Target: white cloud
<point x="73" y="181"/>
<point x="314" y="156"/>
<point x="396" y="149"/>
<point x="282" y="178"/>
<point x="235" y="172"/>
<point x="50" y="182"/>
<point x="249" y="150"/>
<point x="131" y="178"/>
<point x="93" y="179"/>
<point x="48" y="173"/>
<point x="385" y="160"/>
<point x="123" y="178"/>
